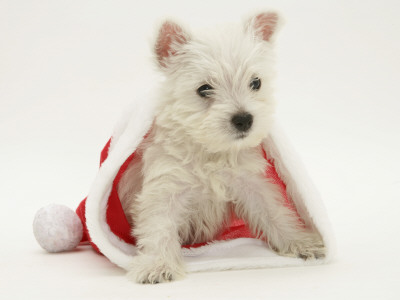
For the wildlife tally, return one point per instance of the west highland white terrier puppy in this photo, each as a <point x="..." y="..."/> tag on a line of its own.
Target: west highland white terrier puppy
<point x="202" y="158"/>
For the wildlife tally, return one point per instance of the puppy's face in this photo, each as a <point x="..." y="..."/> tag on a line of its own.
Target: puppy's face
<point x="218" y="83"/>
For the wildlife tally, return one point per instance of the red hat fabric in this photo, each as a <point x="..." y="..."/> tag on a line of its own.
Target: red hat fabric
<point x="108" y="230"/>
<point x="119" y="224"/>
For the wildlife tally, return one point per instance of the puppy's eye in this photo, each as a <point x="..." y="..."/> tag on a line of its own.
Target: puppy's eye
<point x="205" y="90"/>
<point x="255" y="84"/>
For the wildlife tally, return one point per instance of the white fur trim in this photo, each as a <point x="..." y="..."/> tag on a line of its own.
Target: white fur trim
<point x="299" y="186"/>
<point x="234" y="254"/>
<point x="242" y="253"/>
<point x="131" y="135"/>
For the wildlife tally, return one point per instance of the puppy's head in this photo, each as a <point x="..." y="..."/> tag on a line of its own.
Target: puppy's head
<point x="217" y="85"/>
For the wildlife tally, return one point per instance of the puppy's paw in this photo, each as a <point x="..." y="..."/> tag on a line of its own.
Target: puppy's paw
<point x="309" y="246"/>
<point x="153" y="269"/>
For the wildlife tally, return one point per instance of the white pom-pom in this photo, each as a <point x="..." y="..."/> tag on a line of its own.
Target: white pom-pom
<point x="57" y="228"/>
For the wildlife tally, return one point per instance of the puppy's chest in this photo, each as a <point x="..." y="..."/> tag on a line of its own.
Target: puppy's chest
<point x="215" y="177"/>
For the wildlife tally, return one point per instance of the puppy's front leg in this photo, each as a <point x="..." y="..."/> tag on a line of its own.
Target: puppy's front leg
<point x="157" y="213"/>
<point x="260" y="204"/>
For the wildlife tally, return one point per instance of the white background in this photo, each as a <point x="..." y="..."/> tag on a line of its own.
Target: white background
<point x="68" y="68"/>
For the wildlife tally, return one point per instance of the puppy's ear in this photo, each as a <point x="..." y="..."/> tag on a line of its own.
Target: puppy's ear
<point x="170" y="38"/>
<point x="264" y="25"/>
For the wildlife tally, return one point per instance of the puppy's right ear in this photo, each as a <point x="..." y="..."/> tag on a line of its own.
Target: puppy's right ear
<point x="170" y="39"/>
<point x="265" y="25"/>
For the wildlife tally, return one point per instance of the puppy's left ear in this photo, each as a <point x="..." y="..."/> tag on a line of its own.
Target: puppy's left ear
<point x="264" y="25"/>
<point x="170" y="39"/>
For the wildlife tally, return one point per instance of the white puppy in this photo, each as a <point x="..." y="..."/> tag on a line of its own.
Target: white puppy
<point x="202" y="158"/>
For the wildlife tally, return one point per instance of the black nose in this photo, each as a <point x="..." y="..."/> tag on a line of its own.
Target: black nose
<point x="242" y="121"/>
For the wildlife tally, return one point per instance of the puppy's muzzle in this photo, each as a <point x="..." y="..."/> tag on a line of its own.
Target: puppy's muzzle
<point x="242" y="121"/>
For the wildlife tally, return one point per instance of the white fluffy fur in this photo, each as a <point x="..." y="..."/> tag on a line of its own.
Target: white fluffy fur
<point x="195" y="167"/>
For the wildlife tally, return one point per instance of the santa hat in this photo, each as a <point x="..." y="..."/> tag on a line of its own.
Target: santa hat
<point x="103" y="223"/>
